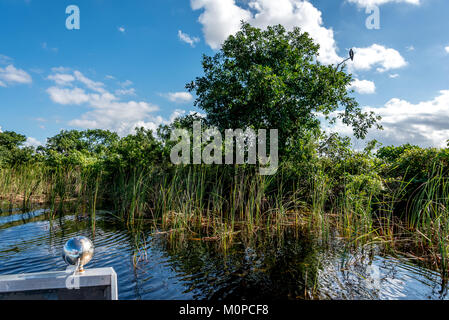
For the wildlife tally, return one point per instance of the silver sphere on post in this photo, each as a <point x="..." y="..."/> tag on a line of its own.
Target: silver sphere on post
<point x="78" y="251"/>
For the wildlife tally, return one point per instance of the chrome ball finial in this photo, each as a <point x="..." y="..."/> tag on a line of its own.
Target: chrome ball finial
<point x="78" y="252"/>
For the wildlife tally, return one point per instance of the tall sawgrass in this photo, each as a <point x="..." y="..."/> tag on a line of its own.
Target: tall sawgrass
<point x="428" y="214"/>
<point x="216" y="203"/>
<point x="23" y="185"/>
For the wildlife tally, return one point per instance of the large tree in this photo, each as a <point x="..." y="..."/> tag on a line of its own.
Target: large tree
<point x="12" y="149"/>
<point x="272" y="79"/>
<point x="89" y="141"/>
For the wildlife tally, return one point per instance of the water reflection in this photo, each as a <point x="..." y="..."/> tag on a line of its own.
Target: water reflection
<point x="151" y="266"/>
<point x="249" y="270"/>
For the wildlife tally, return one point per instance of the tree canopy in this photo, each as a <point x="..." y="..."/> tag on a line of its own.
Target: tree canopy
<point x="12" y="150"/>
<point x="272" y="79"/>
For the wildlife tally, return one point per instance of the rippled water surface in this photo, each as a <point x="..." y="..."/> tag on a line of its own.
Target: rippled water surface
<point x="152" y="266"/>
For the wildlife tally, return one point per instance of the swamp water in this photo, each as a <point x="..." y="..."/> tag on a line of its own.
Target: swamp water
<point x="155" y="265"/>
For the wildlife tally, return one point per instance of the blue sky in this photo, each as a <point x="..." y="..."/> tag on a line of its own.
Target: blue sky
<point x="128" y="63"/>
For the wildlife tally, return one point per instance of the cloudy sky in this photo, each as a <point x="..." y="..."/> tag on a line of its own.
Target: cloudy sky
<point x="128" y="63"/>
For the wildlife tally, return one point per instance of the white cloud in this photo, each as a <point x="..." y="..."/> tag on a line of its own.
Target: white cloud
<point x="176" y="114"/>
<point x="425" y="123"/>
<point x="394" y="76"/>
<point x="121" y="117"/>
<point x="179" y="97"/>
<point x="188" y="39"/>
<point x="369" y="3"/>
<point x="125" y="92"/>
<point x="5" y="59"/>
<point x="60" y="69"/>
<point x="96" y="86"/>
<point x="107" y="110"/>
<point x="61" y="78"/>
<point x="10" y="75"/>
<point x="68" y="96"/>
<point x="126" y="83"/>
<point x="32" y="142"/>
<point x="377" y="56"/>
<point x="121" y="29"/>
<point x="363" y="86"/>
<point x="447" y="49"/>
<point x="222" y="18"/>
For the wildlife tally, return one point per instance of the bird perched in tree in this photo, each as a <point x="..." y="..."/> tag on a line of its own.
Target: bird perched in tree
<point x="351" y="54"/>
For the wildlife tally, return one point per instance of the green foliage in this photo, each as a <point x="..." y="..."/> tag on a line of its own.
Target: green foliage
<point x="392" y="153"/>
<point x="271" y="79"/>
<point x="11" y="140"/>
<point x="164" y="131"/>
<point x="262" y="80"/>
<point x="349" y="170"/>
<point x="79" y="148"/>
<point x="12" y="151"/>
<point x="89" y="141"/>
<point x="139" y="150"/>
<point x="412" y="163"/>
